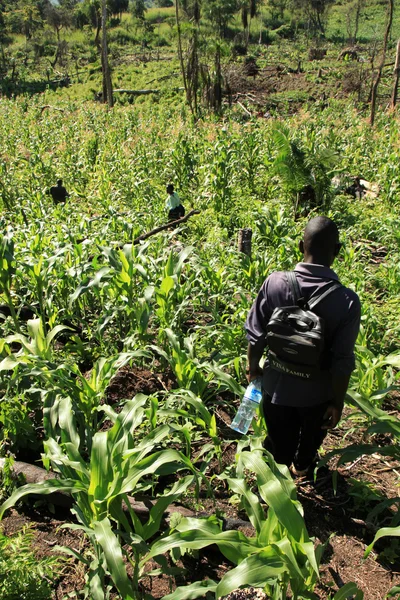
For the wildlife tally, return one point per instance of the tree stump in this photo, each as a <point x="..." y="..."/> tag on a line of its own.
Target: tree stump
<point x="244" y="241"/>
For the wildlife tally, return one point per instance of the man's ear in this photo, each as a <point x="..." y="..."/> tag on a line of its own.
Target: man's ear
<point x="338" y="247"/>
<point x="301" y="246"/>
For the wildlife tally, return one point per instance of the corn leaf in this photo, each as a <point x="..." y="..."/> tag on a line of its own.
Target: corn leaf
<point x="157" y="511"/>
<point x="257" y="570"/>
<point x="384" y="531"/>
<point x="250" y="502"/>
<point x="113" y="556"/>
<point x="199" y="589"/>
<point x="233" y="544"/>
<point x="350" y="590"/>
<point x="45" y="487"/>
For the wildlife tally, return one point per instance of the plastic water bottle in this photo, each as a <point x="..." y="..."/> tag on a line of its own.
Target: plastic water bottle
<point x="251" y="401"/>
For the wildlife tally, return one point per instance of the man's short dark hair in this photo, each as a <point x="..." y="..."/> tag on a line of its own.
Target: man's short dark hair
<point x="170" y="187"/>
<point x="59" y="181"/>
<point x="321" y="236"/>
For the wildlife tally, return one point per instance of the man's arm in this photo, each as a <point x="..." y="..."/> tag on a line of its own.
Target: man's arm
<point x="333" y="413"/>
<point x="343" y="363"/>
<point x="254" y="355"/>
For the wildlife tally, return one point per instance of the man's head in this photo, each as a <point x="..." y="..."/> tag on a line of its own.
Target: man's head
<point x="59" y="182"/>
<point x="320" y="244"/>
<point x="170" y="189"/>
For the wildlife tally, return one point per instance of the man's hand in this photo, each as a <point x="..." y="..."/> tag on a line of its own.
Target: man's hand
<point x="254" y="354"/>
<point x="254" y="374"/>
<point x="331" y="417"/>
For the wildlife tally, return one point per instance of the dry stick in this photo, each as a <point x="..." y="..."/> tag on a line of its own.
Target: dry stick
<point x="396" y="77"/>
<point x="144" y="236"/>
<point x="162" y="78"/>
<point x="42" y="108"/>
<point x="355" y="462"/>
<point x="244" y="108"/>
<point x="374" y="90"/>
<point x="137" y="92"/>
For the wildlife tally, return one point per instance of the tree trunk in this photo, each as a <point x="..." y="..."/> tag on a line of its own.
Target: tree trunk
<point x="244" y="241"/>
<point x="178" y="27"/>
<point x="357" y="19"/>
<point x="218" y="81"/>
<point x="98" y="28"/>
<point x="396" y="77"/>
<point x="107" y="84"/>
<point x="374" y="90"/>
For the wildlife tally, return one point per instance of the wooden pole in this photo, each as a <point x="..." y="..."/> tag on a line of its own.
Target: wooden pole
<point x="107" y="84"/>
<point x="244" y="241"/>
<point x="396" y="77"/>
<point x="180" y="53"/>
<point x="374" y="90"/>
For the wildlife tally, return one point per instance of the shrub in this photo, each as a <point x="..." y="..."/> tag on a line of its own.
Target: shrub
<point x="22" y="575"/>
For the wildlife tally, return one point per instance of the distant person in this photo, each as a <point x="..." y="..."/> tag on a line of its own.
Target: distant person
<point x="300" y="403"/>
<point x="357" y="189"/>
<point x="173" y="205"/>
<point x="59" y="193"/>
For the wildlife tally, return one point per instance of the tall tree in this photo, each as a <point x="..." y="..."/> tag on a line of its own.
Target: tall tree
<point x="315" y="12"/>
<point x="25" y="17"/>
<point x="107" y="83"/>
<point x="219" y="13"/>
<point x="117" y="7"/>
<point x="58" y="17"/>
<point x="138" y="9"/>
<point x="374" y="89"/>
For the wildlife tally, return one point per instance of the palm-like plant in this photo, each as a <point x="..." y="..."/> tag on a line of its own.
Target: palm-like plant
<point x="305" y="169"/>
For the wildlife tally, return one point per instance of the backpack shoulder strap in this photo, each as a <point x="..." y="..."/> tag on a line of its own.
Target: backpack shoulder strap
<point x="328" y="289"/>
<point x="294" y="287"/>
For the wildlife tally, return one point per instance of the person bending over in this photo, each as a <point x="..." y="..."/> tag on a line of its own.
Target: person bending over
<point x="173" y="204"/>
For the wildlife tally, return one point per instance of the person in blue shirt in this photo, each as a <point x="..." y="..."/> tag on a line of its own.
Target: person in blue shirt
<point x="173" y="205"/>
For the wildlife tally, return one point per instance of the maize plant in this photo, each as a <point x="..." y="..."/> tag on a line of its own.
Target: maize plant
<point x="118" y="465"/>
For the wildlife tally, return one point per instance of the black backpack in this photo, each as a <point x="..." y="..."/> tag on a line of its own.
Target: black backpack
<point x="295" y="334"/>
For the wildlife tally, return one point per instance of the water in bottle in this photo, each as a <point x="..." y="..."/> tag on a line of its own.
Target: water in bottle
<point x="251" y="400"/>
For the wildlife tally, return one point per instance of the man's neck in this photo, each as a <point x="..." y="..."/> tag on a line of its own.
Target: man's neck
<point x="317" y="260"/>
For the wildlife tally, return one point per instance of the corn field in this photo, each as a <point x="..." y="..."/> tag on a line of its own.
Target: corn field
<point x="82" y="302"/>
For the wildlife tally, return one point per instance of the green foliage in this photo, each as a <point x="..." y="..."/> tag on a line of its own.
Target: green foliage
<point x="175" y="305"/>
<point x="22" y="575"/>
<point x="305" y="169"/>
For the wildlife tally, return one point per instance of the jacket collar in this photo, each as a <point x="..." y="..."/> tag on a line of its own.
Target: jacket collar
<point x="311" y="270"/>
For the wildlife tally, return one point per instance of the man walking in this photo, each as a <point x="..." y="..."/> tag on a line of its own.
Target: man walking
<point x="298" y="409"/>
<point x="59" y="193"/>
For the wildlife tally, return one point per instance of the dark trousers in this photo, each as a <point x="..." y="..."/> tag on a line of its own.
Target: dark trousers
<point x="294" y="433"/>
<point x="176" y="213"/>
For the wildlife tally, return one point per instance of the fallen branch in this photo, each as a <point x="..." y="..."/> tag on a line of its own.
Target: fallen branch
<point x="137" y="92"/>
<point x="33" y="474"/>
<point x="244" y="108"/>
<point x="144" y="236"/>
<point x="42" y="108"/>
<point x="163" y="78"/>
